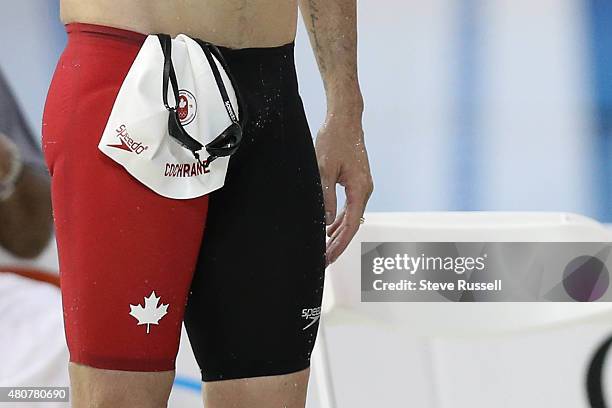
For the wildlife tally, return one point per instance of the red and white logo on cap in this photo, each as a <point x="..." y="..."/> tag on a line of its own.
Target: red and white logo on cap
<point x="187" y="107"/>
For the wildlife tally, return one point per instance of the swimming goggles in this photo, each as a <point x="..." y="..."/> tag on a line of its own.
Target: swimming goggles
<point x="228" y="140"/>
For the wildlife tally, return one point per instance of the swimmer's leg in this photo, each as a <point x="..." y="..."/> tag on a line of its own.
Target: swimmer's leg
<point x="255" y="300"/>
<point x="94" y="387"/>
<point x="126" y="254"/>
<point x="287" y="390"/>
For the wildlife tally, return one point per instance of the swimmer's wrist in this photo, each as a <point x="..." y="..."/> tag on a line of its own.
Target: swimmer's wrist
<point x="346" y="103"/>
<point x="343" y="123"/>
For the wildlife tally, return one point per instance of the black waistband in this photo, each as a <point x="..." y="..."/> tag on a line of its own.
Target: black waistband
<point x="286" y="49"/>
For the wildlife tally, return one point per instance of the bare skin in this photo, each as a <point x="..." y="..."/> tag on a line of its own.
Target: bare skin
<point x="340" y="151"/>
<point x="90" y="387"/>
<point x="231" y="23"/>
<point x="25" y="216"/>
<point x="271" y="391"/>
<point x="340" y="146"/>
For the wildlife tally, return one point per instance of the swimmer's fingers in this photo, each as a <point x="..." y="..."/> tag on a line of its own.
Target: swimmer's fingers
<point x="329" y="177"/>
<point x="334" y="226"/>
<point x="340" y="239"/>
<point x="357" y="195"/>
<point x="329" y="197"/>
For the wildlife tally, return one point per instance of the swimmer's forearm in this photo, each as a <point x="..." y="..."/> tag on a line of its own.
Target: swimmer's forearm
<point x="332" y="28"/>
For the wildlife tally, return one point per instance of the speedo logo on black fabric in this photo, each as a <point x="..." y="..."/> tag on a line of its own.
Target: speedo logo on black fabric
<point x="127" y="143"/>
<point x="312" y="315"/>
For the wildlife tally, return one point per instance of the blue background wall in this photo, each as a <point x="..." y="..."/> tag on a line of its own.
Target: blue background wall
<point x="32" y="39"/>
<point x="600" y="28"/>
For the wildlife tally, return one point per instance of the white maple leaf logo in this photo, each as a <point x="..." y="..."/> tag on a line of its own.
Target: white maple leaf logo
<point x="150" y="313"/>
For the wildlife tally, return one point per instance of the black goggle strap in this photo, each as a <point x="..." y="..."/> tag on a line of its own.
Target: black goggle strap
<point x="241" y="103"/>
<point x="241" y="106"/>
<point x="207" y="48"/>
<point x="169" y="76"/>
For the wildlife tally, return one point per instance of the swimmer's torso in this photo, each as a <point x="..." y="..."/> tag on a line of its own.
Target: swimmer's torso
<point x="231" y="23"/>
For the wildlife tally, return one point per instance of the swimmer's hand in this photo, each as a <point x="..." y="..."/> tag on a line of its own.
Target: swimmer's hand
<point x="343" y="160"/>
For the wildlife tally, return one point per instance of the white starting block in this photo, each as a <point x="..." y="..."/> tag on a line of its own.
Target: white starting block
<point x="343" y="291"/>
<point x="342" y="306"/>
